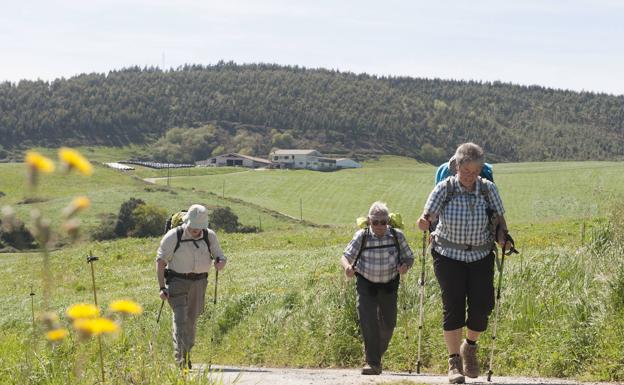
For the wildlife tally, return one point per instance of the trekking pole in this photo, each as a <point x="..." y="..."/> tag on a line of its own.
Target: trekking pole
<point x="421" y="312"/>
<point x="162" y="303"/>
<point x="151" y="341"/>
<point x="212" y="317"/>
<point x="90" y="259"/>
<point x="214" y="301"/>
<point x="498" y="295"/>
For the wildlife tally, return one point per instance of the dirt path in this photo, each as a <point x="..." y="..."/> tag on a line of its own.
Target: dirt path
<point x="287" y="376"/>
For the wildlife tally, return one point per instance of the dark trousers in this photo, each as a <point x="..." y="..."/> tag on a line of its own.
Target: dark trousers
<point x="461" y="283"/>
<point x="377" y="311"/>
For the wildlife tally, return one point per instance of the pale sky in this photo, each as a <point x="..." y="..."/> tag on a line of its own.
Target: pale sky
<point x="577" y="45"/>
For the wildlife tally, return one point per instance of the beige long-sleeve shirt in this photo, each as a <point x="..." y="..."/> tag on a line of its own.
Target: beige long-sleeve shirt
<point x="191" y="257"/>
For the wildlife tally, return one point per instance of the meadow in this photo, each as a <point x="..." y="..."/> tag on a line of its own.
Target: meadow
<point x="532" y="192"/>
<point x="283" y="300"/>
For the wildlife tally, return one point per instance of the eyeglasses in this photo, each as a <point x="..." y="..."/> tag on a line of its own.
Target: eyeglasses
<point x="381" y="222"/>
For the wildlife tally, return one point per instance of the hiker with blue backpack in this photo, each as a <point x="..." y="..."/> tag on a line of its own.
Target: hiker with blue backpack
<point x="465" y="215"/>
<point x="377" y="256"/>
<point x="183" y="260"/>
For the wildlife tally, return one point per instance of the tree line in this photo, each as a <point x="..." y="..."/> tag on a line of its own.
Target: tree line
<point x="252" y="108"/>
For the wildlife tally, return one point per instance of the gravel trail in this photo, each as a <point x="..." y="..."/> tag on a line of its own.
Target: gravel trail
<point x="289" y="376"/>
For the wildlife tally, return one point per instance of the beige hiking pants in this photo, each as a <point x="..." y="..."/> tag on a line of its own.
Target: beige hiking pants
<point x="187" y="299"/>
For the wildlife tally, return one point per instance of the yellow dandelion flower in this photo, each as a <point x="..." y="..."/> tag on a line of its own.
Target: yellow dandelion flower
<point x="82" y="310"/>
<point x="95" y="326"/>
<point x="56" y="334"/>
<point x="76" y="205"/>
<point x="73" y="159"/>
<point x="125" y="306"/>
<point x="81" y="203"/>
<point x="39" y="162"/>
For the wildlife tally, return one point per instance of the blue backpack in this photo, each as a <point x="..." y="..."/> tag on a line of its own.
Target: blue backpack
<point x="444" y="172"/>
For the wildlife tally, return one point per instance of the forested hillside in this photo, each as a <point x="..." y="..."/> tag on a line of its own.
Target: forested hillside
<point x="332" y="111"/>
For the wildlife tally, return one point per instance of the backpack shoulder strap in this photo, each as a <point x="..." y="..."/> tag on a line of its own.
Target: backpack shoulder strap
<point x="484" y="190"/>
<point x="450" y="192"/>
<point x="396" y="243"/>
<point x="205" y="237"/>
<point x="179" y="232"/>
<point x="362" y="245"/>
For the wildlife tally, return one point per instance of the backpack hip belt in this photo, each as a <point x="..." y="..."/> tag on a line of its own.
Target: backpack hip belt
<point x="190" y="276"/>
<point x="438" y="240"/>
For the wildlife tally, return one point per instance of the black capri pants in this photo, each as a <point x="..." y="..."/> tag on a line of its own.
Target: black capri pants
<point x="462" y="282"/>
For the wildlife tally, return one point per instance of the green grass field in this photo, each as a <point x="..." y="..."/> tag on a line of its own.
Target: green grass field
<point x="533" y="193"/>
<point x="107" y="189"/>
<point x="283" y="299"/>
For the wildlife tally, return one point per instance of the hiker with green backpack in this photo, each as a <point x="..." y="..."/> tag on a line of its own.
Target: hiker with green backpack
<point x="182" y="263"/>
<point x="377" y="256"/>
<point x="471" y="219"/>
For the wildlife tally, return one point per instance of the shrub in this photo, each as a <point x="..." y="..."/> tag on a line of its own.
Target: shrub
<point x="17" y="236"/>
<point x="125" y="220"/>
<point x="106" y="229"/>
<point x="223" y="218"/>
<point x="148" y="221"/>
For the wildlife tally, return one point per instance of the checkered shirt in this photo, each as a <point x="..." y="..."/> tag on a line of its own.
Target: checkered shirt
<point x="379" y="264"/>
<point x="464" y="219"/>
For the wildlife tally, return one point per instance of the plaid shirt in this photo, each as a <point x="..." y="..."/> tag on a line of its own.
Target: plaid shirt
<point x="464" y="219"/>
<point x="379" y="264"/>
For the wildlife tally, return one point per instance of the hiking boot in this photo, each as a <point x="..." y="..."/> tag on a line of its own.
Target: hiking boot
<point x="455" y="373"/>
<point x="468" y="355"/>
<point x="371" y="370"/>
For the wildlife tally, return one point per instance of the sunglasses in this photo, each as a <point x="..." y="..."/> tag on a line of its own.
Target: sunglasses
<point x="382" y="222"/>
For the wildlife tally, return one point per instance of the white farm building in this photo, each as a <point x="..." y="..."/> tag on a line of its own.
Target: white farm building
<point x="308" y="159"/>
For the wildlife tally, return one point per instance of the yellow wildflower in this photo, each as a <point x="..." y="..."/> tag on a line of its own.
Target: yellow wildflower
<point x="39" y="162"/>
<point x="76" y="205"/>
<point x="56" y="335"/>
<point x="81" y="203"/>
<point x="95" y="326"/>
<point x="125" y="306"/>
<point x="82" y="310"/>
<point x="73" y="159"/>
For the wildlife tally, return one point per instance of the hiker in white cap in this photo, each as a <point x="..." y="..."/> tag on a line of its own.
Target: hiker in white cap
<point x="182" y="264"/>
